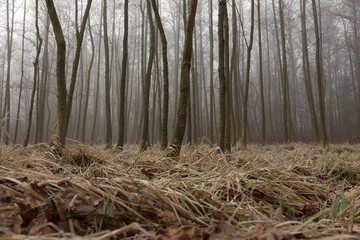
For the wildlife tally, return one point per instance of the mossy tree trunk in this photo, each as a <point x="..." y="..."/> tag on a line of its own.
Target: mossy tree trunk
<point x="177" y="138"/>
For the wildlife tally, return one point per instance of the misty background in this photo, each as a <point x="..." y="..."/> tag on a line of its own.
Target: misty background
<point x="340" y="54"/>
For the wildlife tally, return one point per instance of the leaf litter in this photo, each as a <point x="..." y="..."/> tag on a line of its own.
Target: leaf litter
<point x="270" y="192"/>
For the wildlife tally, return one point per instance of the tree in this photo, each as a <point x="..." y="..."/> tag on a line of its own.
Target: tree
<point x="60" y="72"/>
<point x="107" y="81"/>
<point x="9" y="39"/>
<point x="284" y="73"/>
<point x="319" y="76"/>
<point x="147" y="82"/>
<point x="64" y="101"/>
<point x="36" y="71"/>
<point x="247" y="79"/>
<point x="306" y="70"/>
<point x="177" y="138"/>
<point x="261" y="77"/>
<point x="88" y="83"/>
<point x="212" y="97"/>
<point x="165" y="109"/>
<point x="222" y="75"/>
<point x="120" y="143"/>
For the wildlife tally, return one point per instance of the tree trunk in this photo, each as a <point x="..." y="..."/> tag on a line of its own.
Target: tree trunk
<point x="247" y="79"/>
<point x="284" y="73"/>
<point x="60" y="72"/>
<point x="36" y="71"/>
<point x="261" y="78"/>
<point x="108" y="139"/>
<point x="120" y="143"/>
<point x="165" y="109"/>
<point x="147" y="82"/>
<point x="88" y="80"/>
<point x="319" y="76"/>
<point x="176" y="141"/>
<point x="306" y="70"/>
<point x="22" y="71"/>
<point x="222" y="76"/>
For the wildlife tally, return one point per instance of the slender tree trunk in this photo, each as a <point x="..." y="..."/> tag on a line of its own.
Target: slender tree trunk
<point x="227" y="143"/>
<point x="36" y="71"/>
<point x="120" y="143"/>
<point x="9" y="38"/>
<point x="261" y="77"/>
<point x="22" y="71"/>
<point x="212" y="97"/>
<point x="97" y="87"/>
<point x="222" y="76"/>
<point x="247" y="79"/>
<point x="284" y="73"/>
<point x="165" y="109"/>
<point x="60" y="72"/>
<point x="87" y="87"/>
<point x="147" y="82"/>
<point x="108" y="139"/>
<point x="306" y="70"/>
<point x="176" y="141"/>
<point x="319" y="76"/>
<point x="75" y="66"/>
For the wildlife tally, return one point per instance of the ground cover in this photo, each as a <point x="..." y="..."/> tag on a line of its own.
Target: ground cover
<point x="294" y="191"/>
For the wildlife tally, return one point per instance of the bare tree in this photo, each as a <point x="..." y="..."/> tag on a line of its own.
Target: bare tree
<point x="261" y="77"/>
<point x="9" y="39"/>
<point x="147" y="82"/>
<point x="108" y="139"/>
<point x="247" y="79"/>
<point x="36" y="71"/>
<point x="120" y="143"/>
<point x="60" y="72"/>
<point x="177" y="138"/>
<point x="165" y="109"/>
<point x="22" y="71"/>
<point x="319" y="76"/>
<point x="306" y="70"/>
<point x="284" y="73"/>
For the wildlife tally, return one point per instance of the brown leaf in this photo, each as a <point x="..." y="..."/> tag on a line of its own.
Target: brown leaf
<point x="10" y="218"/>
<point x="148" y="174"/>
<point x="178" y="233"/>
<point x="38" y="226"/>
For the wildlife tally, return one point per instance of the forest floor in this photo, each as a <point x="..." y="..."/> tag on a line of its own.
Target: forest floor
<point x="273" y="192"/>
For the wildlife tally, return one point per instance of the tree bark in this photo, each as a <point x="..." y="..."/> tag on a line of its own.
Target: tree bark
<point x="247" y="79"/>
<point x="36" y="71"/>
<point x="319" y="76"/>
<point x="165" y="109"/>
<point x="261" y="77"/>
<point x="60" y="72"/>
<point x="108" y="139"/>
<point x="147" y="82"/>
<point x="306" y="70"/>
<point x="120" y="143"/>
<point x="177" y="138"/>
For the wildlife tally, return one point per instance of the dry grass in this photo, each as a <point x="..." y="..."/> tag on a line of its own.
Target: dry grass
<point x="304" y="189"/>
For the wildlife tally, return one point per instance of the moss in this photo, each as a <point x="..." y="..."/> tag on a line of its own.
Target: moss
<point x="143" y="145"/>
